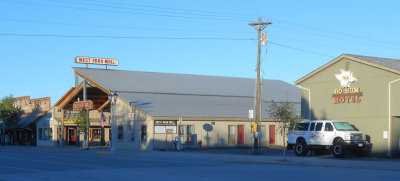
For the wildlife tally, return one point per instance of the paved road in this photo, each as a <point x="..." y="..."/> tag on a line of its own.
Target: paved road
<point x="36" y="163"/>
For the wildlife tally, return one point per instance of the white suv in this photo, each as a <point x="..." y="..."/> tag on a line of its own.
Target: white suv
<point x="324" y="135"/>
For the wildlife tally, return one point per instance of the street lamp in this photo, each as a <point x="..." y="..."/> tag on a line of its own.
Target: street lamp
<point x="113" y="100"/>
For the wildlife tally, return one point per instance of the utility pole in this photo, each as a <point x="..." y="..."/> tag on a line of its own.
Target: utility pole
<point x="259" y="26"/>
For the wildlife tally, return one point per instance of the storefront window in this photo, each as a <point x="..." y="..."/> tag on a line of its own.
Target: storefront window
<point x="231" y="134"/>
<point x="96" y="133"/>
<point x="120" y="133"/>
<point x="262" y="130"/>
<point x="190" y="133"/>
<point x="143" y="133"/>
<point x="40" y="134"/>
<point x="45" y="133"/>
<point x="50" y="134"/>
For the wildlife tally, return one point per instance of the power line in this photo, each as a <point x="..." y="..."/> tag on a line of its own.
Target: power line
<point x="179" y="9"/>
<point x="147" y="10"/>
<point x="157" y="37"/>
<point x="333" y="32"/>
<point x="123" y="12"/>
<point x="121" y="37"/>
<point x="333" y="37"/>
<point x="115" y="27"/>
<point x="300" y="49"/>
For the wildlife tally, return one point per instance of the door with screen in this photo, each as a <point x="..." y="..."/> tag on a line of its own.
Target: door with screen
<point x="272" y="134"/>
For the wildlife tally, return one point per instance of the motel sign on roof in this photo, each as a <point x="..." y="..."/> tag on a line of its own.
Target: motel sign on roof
<point x="98" y="61"/>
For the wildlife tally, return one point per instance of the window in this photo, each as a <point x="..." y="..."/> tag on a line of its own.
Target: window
<point x="312" y="126"/>
<point x="40" y="135"/>
<point x="231" y="134"/>
<point x="318" y="127"/>
<point x="96" y="133"/>
<point x="302" y="126"/>
<point x="190" y="133"/>
<point x="120" y="133"/>
<point x="143" y="133"/>
<point x="58" y="133"/>
<point x="328" y="127"/>
<point x="262" y="129"/>
<point x="45" y="133"/>
<point x="50" y="133"/>
<point x="344" y="126"/>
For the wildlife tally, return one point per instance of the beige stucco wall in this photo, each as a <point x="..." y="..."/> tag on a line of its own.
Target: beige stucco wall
<point x="218" y="136"/>
<point x="47" y="121"/>
<point x="370" y="115"/>
<point x="131" y="128"/>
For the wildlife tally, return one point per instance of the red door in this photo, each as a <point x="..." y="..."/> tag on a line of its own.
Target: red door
<point x="272" y="134"/>
<point x="240" y="134"/>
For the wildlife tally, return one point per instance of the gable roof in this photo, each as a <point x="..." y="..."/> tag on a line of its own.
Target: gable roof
<point x="391" y="65"/>
<point x="170" y="95"/>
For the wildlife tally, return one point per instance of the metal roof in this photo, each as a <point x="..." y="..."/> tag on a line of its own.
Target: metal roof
<point x="387" y="62"/>
<point x="168" y="94"/>
<point x="29" y="118"/>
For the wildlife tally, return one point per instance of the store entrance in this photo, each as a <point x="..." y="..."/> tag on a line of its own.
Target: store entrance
<point x="71" y="136"/>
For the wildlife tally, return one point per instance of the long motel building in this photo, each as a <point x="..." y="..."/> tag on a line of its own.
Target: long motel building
<point x="151" y="110"/>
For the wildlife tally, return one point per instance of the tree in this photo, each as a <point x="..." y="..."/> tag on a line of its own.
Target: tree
<point x="82" y="123"/>
<point x="285" y="115"/>
<point x="10" y="114"/>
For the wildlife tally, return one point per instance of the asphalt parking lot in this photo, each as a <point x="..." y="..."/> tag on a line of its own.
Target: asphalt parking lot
<point x="71" y="163"/>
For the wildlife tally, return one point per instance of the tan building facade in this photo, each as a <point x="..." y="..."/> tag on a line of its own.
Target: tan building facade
<point x="154" y="109"/>
<point x="361" y="90"/>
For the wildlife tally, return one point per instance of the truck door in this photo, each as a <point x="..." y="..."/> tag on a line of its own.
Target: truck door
<point x="328" y="133"/>
<point x="310" y="134"/>
<point x="317" y="136"/>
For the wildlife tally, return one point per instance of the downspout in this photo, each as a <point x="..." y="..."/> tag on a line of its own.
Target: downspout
<point x="390" y="119"/>
<point x="309" y="100"/>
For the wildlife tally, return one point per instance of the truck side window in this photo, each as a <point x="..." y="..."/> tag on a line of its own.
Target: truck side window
<point x="301" y="126"/>
<point x="312" y="126"/>
<point x="328" y="127"/>
<point x="318" y="127"/>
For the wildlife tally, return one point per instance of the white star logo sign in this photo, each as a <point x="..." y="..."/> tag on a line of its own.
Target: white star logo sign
<point x="345" y="78"/>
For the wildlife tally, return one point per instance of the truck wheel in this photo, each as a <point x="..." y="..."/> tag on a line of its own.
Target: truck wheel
<point x="301" y="148"/>
<point x="338" y="148"/>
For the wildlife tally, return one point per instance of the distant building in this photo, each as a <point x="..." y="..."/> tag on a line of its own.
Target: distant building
<point x="31" y="105"/>
<point x="213" y="109"/>
<point x="24" y="132"/>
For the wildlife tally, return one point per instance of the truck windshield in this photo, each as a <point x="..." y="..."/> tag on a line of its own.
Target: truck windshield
<point x="344" y="126"/>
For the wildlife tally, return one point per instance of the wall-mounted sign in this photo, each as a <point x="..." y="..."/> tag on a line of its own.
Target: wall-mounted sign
<point x="160" y="127"/>
<point x="165" y="123"/>
<point x="70" y="117"/>
<point x="95" y="60"/>
<point x="345" y="78"/>
<point x="83" y="105"/>
<point x="346" y="94"/>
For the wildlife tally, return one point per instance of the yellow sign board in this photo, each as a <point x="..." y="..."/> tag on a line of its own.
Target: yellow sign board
<point x="255" y="127"/>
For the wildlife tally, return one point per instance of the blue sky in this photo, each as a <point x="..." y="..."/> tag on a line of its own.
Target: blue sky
<point x="40" y="39"/>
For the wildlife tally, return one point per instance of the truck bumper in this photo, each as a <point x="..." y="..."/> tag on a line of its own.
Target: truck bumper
<point x="358" y="144"/>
